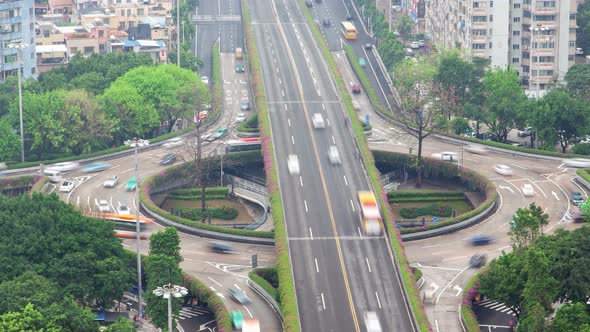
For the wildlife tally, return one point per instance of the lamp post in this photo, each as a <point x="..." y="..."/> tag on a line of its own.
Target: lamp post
<point x="168" y="291"/>
<point x="135" y="143"/>
<point x="19" y="45"/>
<point x="178" y="33"/>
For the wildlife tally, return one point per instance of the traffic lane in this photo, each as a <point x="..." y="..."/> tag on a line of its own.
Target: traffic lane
<point x="331" y="31"/>
<point x="492" y="319"/>
<point x="207" y="34"/>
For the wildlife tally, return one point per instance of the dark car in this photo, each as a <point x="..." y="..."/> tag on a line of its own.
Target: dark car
<point x="368" y="46"/>
<point x="220" y="248"/>
<point x="355" y="88"/>
<point x="577" y="198"/>
<point x="326" y="22"/>
<point x="477" y="260"/>
<point x="481" y="240"/>
<point x="168" y="159"/>
<point x="239" y="296"/>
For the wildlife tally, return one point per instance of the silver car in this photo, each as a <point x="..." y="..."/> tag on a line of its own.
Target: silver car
<point x="334" y="155"/>
<point x="111" y="182"/>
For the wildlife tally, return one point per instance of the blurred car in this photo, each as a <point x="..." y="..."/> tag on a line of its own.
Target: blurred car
<point x="168" y="159"/>
<point x="414" y="44"/>
<point x="421" y="43"/>
<point x="131" y="184"/>
<point x="104" y="206"/>
<point x="355" y="87"/>
<point x="528" y="131"/>
<point x="309" y="3"/>
<point x="55" y="178"/>
<point x="481" y="240"/>
<point x="579" y="51"/>
<point x="293" y="164"/>
<point x="449" y="156"/>
<point x="577" y="198"/>
<point x="362" y="62"/>
<point x="318" y="120"/>
<point x="396" y="8"/>
<point x="97" y="166"/>
<point x="333" y="155"/>
<point x="173" y="142"/>
<point x="241" y="117"/>
<point x="368" y="46"/>
<point x="476" y="149"/>
<point x="220" y="247"/>
<point x="239" y="295"/>
<point x="123" y="210"/>
<point x="66" y="186"/>
<point x="239" y="68"/>
<point x="477" y="260"/>
<point x="220" y="132"/>
<point x="372" y="322"/>
<point x="326" y="21"/>
<point x="111" y="182"/>
<point x="577" y="215"/>
<point x="205" y="80"/>
<point x="245" y="105"/>
<point x="577" y="162"/>
<point x="503" y="169"/>
<point x="236" y="319"/>
<point x="527" y="189"/>
<point x="62" y="167"/>
<point x="138" y="143"/>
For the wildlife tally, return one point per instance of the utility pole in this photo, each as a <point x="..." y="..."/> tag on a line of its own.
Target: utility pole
<point x="178" y="33"/>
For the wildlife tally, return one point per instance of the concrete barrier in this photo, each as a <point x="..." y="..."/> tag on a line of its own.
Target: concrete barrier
<point x="265" y="296"/>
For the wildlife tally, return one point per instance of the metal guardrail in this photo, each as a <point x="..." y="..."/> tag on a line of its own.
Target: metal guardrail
<point x="269" y="299"/>
<point x="254" y="192"/>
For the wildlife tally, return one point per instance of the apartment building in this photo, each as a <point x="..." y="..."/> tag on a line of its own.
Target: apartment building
<point x="17" y="26"/>
<point x="535" y="37"/>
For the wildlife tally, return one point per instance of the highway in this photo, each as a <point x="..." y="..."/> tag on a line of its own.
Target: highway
<point x="339" y="273"/>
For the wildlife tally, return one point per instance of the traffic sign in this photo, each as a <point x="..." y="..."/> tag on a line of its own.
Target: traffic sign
<point x="435" y="219"/>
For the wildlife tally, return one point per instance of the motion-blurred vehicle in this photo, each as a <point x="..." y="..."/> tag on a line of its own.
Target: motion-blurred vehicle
<point x="97" y="166"/>
<point x="205" y="80"/>
<point x="362" y="62"/>
<point x="139" y="143"/>
<point x="220" y="132"/>
<point x="168" y="159"/>
<point x="333" y="155"/>
<point x="250" y="325"/>
<point x="66" y="186"/>
<point x="173" y="142"/>
<point x="131" y="184"/>
<point x="356" y="88"/>
<point x="368" y="46"/>
<point x="123" y="210"/>
<point x="481" y="240"/>
<point x="475" y="149"/>
<point x="104" y="206"/>
<point x="477" y="260"/>
<point x="528" y="131"/>
<point x="577" y="162"/>
<point x="372" y="322"/>
<point x="318" y="120"/>
<point x="577" y="198"/>
<point x="309" y="3"/>
<point x="527" y="190"/>
<point x="241" y="117"/>
<point x="326" y="21"/>
<point x="62" y="167"/>
<point x="503" y="169"/>
<point x="421" y="43"/>
<point x="236" y="319"/>
<point x="111" y="182"/>
<point x="293" y="164"/>
<point x="239" y="68"/>
<point x="239" y="296"/>
<point x="577" y="214"/>
<point x="370" y="215"/>
<point x="245" y="105"/>
<point x="396" y="8"/>
<point x="220" y="247"/>
<point x="55" y="178"/>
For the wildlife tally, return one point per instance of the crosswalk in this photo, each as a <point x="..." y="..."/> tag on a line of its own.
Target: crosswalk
<point x="189" y="312"/>
<point x="493" y="305"/>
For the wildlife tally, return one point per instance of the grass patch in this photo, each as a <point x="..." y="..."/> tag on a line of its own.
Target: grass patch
<point x="459" y="206"/>
<point x="584" y="174"/>
<point x="267" y="278"/>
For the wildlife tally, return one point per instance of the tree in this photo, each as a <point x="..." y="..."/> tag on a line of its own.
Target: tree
<point x="534" y="320"/>
<point x="454" y="77"/>
<point x="161" y="270"/>
<point x="460" y="125"/>
<point x="571" y="317"/>
<point x="404" y="27"/>
<point x="527" y="226"/>
<point x="166" y="243"/>
<point x="391" y="50"/>
<point x="578" y="81"/>
<point x="504" y="98"/>
<point x="9" y="141"/>
<point x="505" y="281"/>
<point x="583" y="22"/>
<point x="122" y="325"/>
<point x="570" y="116"/>
<point x="30" y="319"/>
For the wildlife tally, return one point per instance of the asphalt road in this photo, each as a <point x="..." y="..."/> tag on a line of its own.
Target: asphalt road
<point x="339" y="273"/>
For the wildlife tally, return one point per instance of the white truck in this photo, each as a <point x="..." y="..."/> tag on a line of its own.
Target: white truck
<point x="250" y="325"/>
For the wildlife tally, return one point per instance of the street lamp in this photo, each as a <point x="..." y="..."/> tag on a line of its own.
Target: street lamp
<point x="135" y="143"/>
<point x="168" y="291"/>
<point x="178" y="33"/>
<point x="19" y="45"/>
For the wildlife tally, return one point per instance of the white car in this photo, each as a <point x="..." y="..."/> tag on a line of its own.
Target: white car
<point x="421" y="43"/>
<point x="293" y="164"/>
<point x="66" y="187"/>
<point x="138" y="143"/>
<point x="334" y="155"/>
<point x="579" y="51"/>
<point x="396" y="8"/>
<point x="111" y="182"/>
<point x="55" y="178"/>
<point x="577" y="162"/>
<point x="123" y="210"/>
<point x="241" y="117"/>
<point x="449" y="156"/>
<point x="318" y="120"/>
<point x="176" y="141"/>
<point x="476" y="149"/>
<point x="527" y="190"/>
<point x="372" y="322"/>
<point x="414" y="45"/>
<point x="205" y="80"/>
<point x="503" y="169"/>
<point x="61" y="167"/>
<point x="103" y="206"/>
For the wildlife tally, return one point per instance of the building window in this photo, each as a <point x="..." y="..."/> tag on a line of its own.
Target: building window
<point x="32" y="55"/>
<point x="516" y="47"/>
<point x="480" y="46"/>
<point x="545" y="72"/>
<point x="516" y="33"/>
<point x="131" y="24"/>
<point x="140" y="11"/>
<point x="128" y="12"/>
<point x="33" y="71"/>
<point x="544" y="18"/>
<point x="572" y="44"/>
<point x="88" y="49"/>
<point x="101" y="33"/>
<point x="545" y="4"/>
<point x="10" y="58"/>
<point x="479" y="19"/>
<point x="573" y="16"/>
<point x="122" y="12"/>
<point x="478" y="32"/>
<point x="491" y="4"/>
<point x="476" y="4"/>
<point x="515" y="60"/>
<point x="491" y="18"/>
<point x="546" y="59"/>
<point x="121" y="25"/>
<point x="516" y="5"/>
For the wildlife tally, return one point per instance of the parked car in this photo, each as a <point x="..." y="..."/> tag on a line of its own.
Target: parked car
<point x="503" y="170"/>
<point x="421" y="43"/>
<point x="104" y="206"/>
<point x="220" y="247"/>
<point x="55" y="178"/>
<point x="396" y="8"/>
<point x="579" y="51"/>
<point x="333" y="155"/>
<point x="239" y="68"/>
<point x="241" y="117"/>
<point x="528" y="131"/>
<point x="372" y="322"/>
<point x="577" y="215"/>
<point x="355" y="87"/>
<point x="577" y="198"/>
<point x="131" y="184"/>
<point x="481" y="240"/>
<point x="577" y="162"/>
<point x="477" y="260"/>
<point x="168" y="159"/>
<point x="318" y="120"/>
<point x="66" y="186"/>
<point x="245" y="105"/>
<point x="239" y="296"/>
<point x="220" y="132"/>
<point x="293" y="164"/>
<point x="97" y="166"/>
<point x="173" y="142"/>
<point x="527" y="190"/>
<point x="414" y="44"/>
<point x="111" y="182"/>
<point x="205" y="80"/>
<point x="123" y="210"/>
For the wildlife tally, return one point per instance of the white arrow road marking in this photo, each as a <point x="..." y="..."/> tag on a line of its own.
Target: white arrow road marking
<point x="458" y="289"/>
<point x="204" y="326"/>
<point x="554" y="195"/>
<point x="506" y="188"/>
<point x="434" y="287"/>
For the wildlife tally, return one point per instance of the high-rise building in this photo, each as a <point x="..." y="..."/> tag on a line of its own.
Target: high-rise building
<point x="17" y="33"/>
<point x="535" y="37"/>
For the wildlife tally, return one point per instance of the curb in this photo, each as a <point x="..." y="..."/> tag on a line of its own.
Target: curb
<point x="265" y="296"/>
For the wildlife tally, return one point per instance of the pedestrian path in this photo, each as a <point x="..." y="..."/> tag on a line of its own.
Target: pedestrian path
<point x="497" y="306"/>
<point x="189" y="312"/>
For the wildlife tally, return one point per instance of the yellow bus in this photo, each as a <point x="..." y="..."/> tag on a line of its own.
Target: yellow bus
<point x="348" y="30"/>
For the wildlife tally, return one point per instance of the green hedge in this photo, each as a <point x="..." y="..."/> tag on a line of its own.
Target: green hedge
<point x="214" y="302"/>
<point x="283" y="263"/>
<point x="195" y="193"/>
<point x="436" y="209"/>
<point x="250" y="125"/>
<point x="417" y="273"/>
<point x="260" y="276"/>
<point x="400" y="257"/>
<point x="196" y="197"/>
<point x="424" y="193"/>
<point x="224" y="212"/>
<point x="426" y="199"/>
<point x="584" y="174"/>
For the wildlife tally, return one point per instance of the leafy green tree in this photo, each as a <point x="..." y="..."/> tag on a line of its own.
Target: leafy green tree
<point x="583" y="22"/>
<point x="505" y="281"/>
<point x="540" y="286"/>
<point x="405" y="26"/>
<point x="571" y="317"/>
<point x="28" y="288"/>
<point x="391" y="50"/>
<point x="8" y="95"/>
<point x="474" y="112"/>
<point x="527" y="226"/>
<point x="122" y="325"/>
<point x="166" y="243"/>
<point x="30" y="319"/>
<point x="578" y="81"/>
<point x="454" y="77"/>
<point x="534" y="320"/>
<point x="161" y="270"/>
<point x="9" y="141"/>
<point x="581" y="148"/>
<point x="503" y="102"/>
<point x="459" y="125"/>
<point x="71" y="317"/>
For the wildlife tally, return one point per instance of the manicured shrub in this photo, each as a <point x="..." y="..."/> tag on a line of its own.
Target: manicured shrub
<point x="582" y="148"/>
<point x="212" y="300"/>
<point x="436" y="209"/>
<point x="268" y="279"/>
<point x="224" y="212"/>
